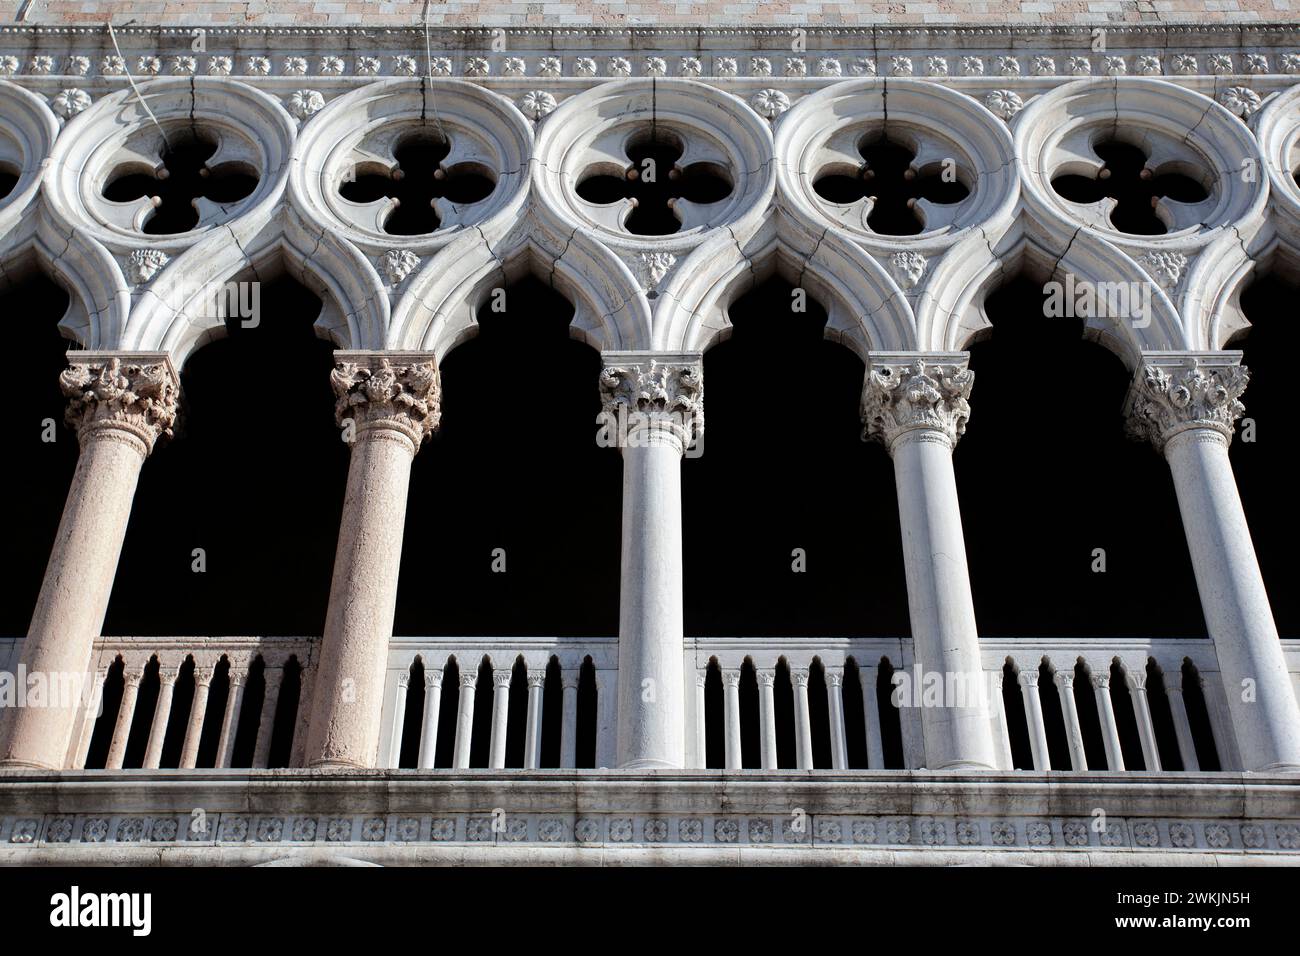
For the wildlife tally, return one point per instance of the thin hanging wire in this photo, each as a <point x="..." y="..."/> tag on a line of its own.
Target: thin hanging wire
<point x="113" y="36"/>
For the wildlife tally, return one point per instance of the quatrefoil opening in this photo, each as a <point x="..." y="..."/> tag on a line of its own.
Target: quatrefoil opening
<point x="417" y="192"/>
<point x="1130" y="192"/>
<point x="652" y="194"/>
<point x="900" y="187"/>
<point x="182" y="183"/>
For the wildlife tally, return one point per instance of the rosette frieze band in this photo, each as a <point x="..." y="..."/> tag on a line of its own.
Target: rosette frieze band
<point x="924" y="396"/>
<point x="1176" y="392"/>
<point x="395" y="391"/>
<point x="136" y="395"/>
<point x="647" y="401"/>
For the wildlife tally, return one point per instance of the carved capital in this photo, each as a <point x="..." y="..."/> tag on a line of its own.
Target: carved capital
<point x="203" y="676"/>
<point x="1064" y="679"/>
<point x="767" y="678"/>
<point x="469" y="678"/>
<point x="536" y="679"/>
<point x="398" y="392"/>
<point x="1028" y="678"/>
<point x="799" y="676"/>
<point x="432" y="679"/>
<point x="916" y="394"/>
<point x="731" y="678"/>
<point x="135" y="395"/>
<point x="646" y="401"/>
<point x="404" y="680"/>
<point x="1173" y="394"/>
<point x="501" y="679"/>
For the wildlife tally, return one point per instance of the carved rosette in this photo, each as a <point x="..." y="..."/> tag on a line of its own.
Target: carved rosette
<point x="138" y="400"/>
<point x="898" y="399"/>
<point x="404" y="398"/>
<point x="1167" y="400"/>
<point x="641" y="402"/>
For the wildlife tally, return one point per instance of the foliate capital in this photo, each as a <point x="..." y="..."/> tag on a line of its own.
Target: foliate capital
<point x="1174" y="392"/>
<point x="398" y="391"/>
<point x="646" y="399"/>
<point x="909" y="392"/>
<point x="133" y="393"/>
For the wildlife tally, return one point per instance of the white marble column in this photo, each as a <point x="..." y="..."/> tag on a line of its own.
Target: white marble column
<point x="238" y="677"/>
<point x="1034" y="717"/>
<point x="386" y="410"/>
<point x="533" y="732"/>
<point x="652" y="408"/>
<point x="835" y="709"/>
<point x="398" y="723"/>
<point x="274" y="677"/>
<point x="500" y="717"/>
<point x="868" y="676"/>
<point x="917" y="406"/>
<point x="94" y="703"/>
<point x="131" y="678"/>
<point x="465" y="717"/>
<point x="429" y="723"/>
<point x="1182" y="726"/>
<point x="161" y="712"/>
<point x="731" y="684"/>
<point x="119" y="405"/>
<point x="1109" y="728"/>
<point x="1064" y="681"/>
<point x="569" y="725"/>
<point x="198" y="707"/>
<point x="1187" y="407"/>
<point x="701" y="723"/>
<point x="802" y="719"/>
<point x="767" y="717"/>
<point x="1137" y="689"/>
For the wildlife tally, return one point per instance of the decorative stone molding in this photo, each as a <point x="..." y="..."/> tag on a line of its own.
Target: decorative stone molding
<point x="651" y="267"/>
<point x="143" y="264"/>
<point x="653" y="396"/>
<point x="68" y="103"/>
<point x="373" y="392"/>
<point x="305" y="103"/>
<point x="1167" y="267"/>
<point x="107" y="392"/>
<point x="399" y="263"/>
<point x="907" y="267"/>
<point x="920" y="394"/>
<point x="537" y="103"/>
<point x="1174" y="392"/>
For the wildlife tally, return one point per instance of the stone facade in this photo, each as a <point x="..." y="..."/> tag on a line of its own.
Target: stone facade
<point x="766" y="113"/>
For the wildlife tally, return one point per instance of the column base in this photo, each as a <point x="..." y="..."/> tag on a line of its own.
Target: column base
<point x="649" y="764"/>
<point x="14" y="764"/>
<point x="962" y="766"/>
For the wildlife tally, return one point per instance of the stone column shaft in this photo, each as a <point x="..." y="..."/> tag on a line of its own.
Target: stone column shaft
<point x="119" y="409"/>
<point x="388" y="411"/>
<point x="1034" y="715"/>
<point x="125" y="717"/>
<point x="1073" y="729"/>
<point x="198" y="708"/>
<point x="533" y="732"/>
<point x="871" y="718"/>
<point x="266" y="719"/>
<point x="731" y="682"/>
<point x="500" y="717"/>
<point x="1187" y="406"/>
<point x="237" y="675"/>
<point x="701" y="723"/>
<point x="767" y="717"/>
<point x="465" y="719"/>
<point x="653" y="412"/>
<point x="919" y="410"/>
<point x="1146" y="729"/>
<point x="835" y="704"/>
<point x="1182" y="726"/>
<point x="399" y="720"/>
<point x="802" y="721"/>
<point x="569" y="727"/>
<point x="161" y="712"/>
<point x="432" y="711"/>
<point x="89" y="719"/>
<point x="1109" y="728"/>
